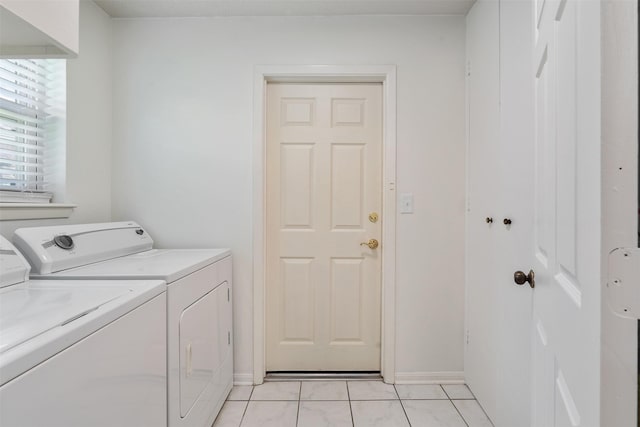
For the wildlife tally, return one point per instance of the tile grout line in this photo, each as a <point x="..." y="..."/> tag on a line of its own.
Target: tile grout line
<point x="353" y="423"/>
<point x="454" y="405"/>
<point x="445" y="391"/>
<point x="476" y="400"/>
<point x="299" y="396"/>
<point x="483" y="411"/>
<point x="402" y="405"/>
<point x="300" y="400"/>
<point x="246" y="406"/>
<point x="244" y="412"/>
<point x="464" y="420"/>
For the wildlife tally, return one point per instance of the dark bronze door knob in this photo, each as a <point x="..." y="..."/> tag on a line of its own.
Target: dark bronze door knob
<point x="520" y="278"/>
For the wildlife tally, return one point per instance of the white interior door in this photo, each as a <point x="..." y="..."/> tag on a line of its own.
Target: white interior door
<point x="483" y="205"/>
<point x="323" y="196"/>
<point x="566" y="249"/>
<point x="532" y="355"/>
<point x="500" y="122"/>
<point x="514" y="303"/>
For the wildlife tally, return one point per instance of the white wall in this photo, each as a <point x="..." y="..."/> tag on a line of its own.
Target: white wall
<point x="182" y="151"/>
<point x="89" y="107"/>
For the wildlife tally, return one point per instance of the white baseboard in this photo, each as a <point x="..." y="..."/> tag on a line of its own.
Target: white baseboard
<point x="242" y="379"/>
<point x="447" y="377"/>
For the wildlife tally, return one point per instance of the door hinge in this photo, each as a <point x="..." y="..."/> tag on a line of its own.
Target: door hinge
<point x="623" y="283"/>
<point x="229" y="337"/>
<point x="228" y="295"/>
<point x="468" y="68"/>
<point x="467" y="336"/>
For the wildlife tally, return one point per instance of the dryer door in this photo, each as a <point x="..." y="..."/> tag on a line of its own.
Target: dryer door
<point x="200" y="333"/>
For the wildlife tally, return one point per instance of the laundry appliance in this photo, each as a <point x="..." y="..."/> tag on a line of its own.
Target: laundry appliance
<point x="199" y="301"/>
<point x="79" y="353"/>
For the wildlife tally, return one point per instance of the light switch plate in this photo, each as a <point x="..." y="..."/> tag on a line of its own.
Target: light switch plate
<point x="406" y="203"/>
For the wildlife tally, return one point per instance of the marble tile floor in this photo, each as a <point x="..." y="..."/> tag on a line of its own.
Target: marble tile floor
<point x="350" y="404"/>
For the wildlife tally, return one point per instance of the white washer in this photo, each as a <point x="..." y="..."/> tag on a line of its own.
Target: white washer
<point x="79" y="352"/>
<point x="199" y="325"/>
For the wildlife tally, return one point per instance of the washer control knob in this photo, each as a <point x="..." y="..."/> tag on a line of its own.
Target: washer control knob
<point x="64" y="242"/>
<point x="139" y="231"/>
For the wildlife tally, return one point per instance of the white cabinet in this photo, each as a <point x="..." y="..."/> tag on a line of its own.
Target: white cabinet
<point x="39" y="28"/>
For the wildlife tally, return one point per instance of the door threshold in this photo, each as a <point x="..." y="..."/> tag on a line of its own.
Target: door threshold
<point x="321" y="376"/>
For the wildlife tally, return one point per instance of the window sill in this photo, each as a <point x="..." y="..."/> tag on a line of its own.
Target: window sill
<point x="18" y="211"/>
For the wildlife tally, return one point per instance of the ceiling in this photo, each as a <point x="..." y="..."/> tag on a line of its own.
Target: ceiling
<point x="208" y="8"/>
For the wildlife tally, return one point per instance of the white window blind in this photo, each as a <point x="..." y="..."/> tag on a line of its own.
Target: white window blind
<point x="32" y="121"/>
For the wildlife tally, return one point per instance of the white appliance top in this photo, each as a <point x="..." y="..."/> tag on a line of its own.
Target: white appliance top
<point x="162" y="264"/>
<point x="28" y="311"/>
<point x="51" y="249"/>
<point x="40" y="318"/>
<point x="13" y="267"/>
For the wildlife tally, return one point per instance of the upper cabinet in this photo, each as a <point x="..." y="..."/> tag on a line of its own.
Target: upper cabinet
<point x="39" y="28"/>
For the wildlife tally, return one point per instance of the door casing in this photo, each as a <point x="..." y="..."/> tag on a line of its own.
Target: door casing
<point x="385" y="74"/>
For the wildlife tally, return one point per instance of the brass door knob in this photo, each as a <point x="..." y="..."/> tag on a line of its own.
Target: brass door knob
<point x="372" y="243"/>
<point x="520" y="278"/>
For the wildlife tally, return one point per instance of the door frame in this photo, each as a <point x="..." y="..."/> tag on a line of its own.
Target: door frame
<point x="385" y="74"/>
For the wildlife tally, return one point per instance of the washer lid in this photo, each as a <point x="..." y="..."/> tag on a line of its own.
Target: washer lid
<point x="162" y="264"/>
<point x="40" y="318"/>
<point x="26" y="313"/>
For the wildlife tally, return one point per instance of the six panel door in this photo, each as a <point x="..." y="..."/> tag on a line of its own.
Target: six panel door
<point x="566" y="247"/>
<point x="324" y="147"/>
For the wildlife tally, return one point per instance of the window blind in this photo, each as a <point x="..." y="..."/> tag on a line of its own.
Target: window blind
<point x="31" y="109"/>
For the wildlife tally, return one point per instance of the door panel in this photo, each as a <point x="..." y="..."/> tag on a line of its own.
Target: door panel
<point x="297" y="185"/>
<point x="544" y="208"/>
<point x="346" y="301"/>
<point x="297" y="293"/>
<point x="324" y="145"/>
<point x="346" y="186"/>
<point x="567" y="216"/>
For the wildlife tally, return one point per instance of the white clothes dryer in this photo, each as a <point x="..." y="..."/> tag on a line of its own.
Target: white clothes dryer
<point x="80" y="352"/>
<point x="199" y="301"/>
